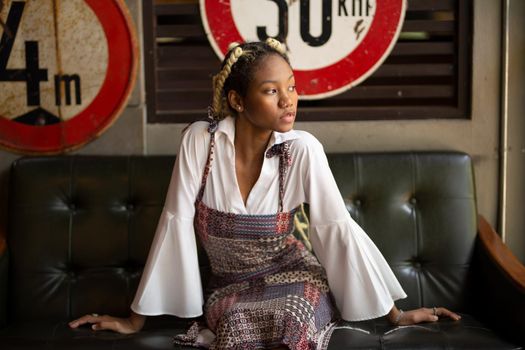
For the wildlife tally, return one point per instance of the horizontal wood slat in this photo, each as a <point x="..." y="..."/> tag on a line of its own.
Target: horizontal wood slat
<point x="177" y="9"/>
<point x="431" y="26"/>
<point x="181" y="30"/>
<point x="385" y="112"/>
<point x="200" y="78"/>
<point x="187" y="97"/>
<point x="426" y="74"/>
<point x="175" y="56"/>
<point x="431" y="5"/>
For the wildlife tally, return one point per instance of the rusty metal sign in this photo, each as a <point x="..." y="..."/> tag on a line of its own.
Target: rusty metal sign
<point x="67" y="68"/>
<point x="332" y="44"/>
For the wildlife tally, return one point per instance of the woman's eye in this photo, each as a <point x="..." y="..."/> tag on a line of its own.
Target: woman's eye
<point x="271" y="91"/>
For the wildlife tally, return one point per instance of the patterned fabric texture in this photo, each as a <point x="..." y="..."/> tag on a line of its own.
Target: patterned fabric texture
<point x="266" y="289"/>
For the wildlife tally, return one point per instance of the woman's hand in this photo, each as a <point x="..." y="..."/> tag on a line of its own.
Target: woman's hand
<point x="404" y="318"/>
<point x="129" y="325"/>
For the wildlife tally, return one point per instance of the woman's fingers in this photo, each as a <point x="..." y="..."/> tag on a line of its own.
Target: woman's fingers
<point x="92" y="318"/>
<point x="105" y="325"/>
<point x="119" y="325"/>
<point x="441" y="311"/>
<point x="106" y="322"/>
<point x="417" y="316"/>
<point x="115" y="324"/>
<point x="427" y="315"/>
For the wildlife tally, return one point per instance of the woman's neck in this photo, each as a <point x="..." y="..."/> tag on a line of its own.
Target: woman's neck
<point x="250" y="142"/>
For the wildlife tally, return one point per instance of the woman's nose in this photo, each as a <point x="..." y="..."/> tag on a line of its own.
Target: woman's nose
<point x="285" y="101"/>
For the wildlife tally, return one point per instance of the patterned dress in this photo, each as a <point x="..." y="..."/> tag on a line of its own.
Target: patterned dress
<point x="266" y="288"/>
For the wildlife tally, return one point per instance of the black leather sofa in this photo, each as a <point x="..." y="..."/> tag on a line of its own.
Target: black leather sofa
<point x="80" y="228"/>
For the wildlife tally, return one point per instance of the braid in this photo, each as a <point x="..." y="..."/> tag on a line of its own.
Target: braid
<point x="237" y="72"/>
<point x="276" y="45"/>
<point x="218" y="83"/>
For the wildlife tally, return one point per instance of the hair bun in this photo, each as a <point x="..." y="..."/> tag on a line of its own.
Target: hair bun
<point x="276" y="44"/>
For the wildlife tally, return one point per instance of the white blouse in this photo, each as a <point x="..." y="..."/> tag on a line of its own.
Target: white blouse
<point x="362" y="283"/>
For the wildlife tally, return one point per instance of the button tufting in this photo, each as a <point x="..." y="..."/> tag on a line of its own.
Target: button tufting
<point x="413" y="200"/>
<point x="72" y="207"/>
<point x="358" y="202"/>
<point x="71" y="275"/>
<point x="416" y="262"/>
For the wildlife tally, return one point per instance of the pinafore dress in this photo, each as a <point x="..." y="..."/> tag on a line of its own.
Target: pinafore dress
<point x="266" y="288"/>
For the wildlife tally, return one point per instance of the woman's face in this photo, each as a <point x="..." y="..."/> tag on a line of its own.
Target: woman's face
<point x="271" y="99"/>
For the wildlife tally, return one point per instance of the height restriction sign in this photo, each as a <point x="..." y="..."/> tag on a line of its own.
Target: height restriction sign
<point x="332" y="44"/>
<point x="67" y="68"/>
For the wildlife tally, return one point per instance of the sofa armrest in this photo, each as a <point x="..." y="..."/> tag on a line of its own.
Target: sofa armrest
<point x="501" y="254"/>
<point x="3" y="282"/>
<point x="499" y="290"/>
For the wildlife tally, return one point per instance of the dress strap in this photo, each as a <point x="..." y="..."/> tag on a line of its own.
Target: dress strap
<point x="211" y="129"/>
<point x="282" y="150"/>
<point x="285" y="161"/>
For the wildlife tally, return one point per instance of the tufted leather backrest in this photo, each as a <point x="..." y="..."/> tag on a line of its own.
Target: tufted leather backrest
<point x="420" y="210"/>
<point x="80" y="227"/>
<point x="79" y="232"/>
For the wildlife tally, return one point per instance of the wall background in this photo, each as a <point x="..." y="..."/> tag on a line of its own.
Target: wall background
<point x="479" y="136"/>
<point x="512" y="222"/>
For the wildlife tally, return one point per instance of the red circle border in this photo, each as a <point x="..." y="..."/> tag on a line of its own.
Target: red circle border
<point x="105" y="107"/>
<point x="335" y="78"/>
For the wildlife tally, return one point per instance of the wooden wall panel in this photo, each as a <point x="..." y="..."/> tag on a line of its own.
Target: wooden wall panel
<point x="427" y="74"/>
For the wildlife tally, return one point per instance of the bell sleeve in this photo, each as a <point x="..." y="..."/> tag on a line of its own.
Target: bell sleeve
<point x="360" y="279"/>
<point x="170" y="282"/>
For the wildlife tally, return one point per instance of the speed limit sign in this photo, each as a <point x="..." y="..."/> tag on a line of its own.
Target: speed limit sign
<point x="332" y="44"/>
<point x="67" y="68"/>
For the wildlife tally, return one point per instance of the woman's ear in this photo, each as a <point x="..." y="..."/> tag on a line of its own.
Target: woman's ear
<point x="235" y="101"/>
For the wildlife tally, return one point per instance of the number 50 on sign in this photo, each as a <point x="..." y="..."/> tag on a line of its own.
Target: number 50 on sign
<point x="332" y="44"/>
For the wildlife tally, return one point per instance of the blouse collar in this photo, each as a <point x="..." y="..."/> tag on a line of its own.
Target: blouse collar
<point x="227" y="127"/>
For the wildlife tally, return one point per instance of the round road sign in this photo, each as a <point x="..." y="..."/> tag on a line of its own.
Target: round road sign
<point x="332" y="44"/>
<point x="67" y="68"/>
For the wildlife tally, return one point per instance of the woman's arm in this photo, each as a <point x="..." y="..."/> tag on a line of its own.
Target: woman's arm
<point x="132" y="324"/>
<point x="360" y="279"/>
<point x="170" y="282"/>
<point x="401" y="318"/>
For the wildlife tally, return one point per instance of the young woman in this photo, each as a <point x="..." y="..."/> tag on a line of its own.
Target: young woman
<point x="236" y="184"/>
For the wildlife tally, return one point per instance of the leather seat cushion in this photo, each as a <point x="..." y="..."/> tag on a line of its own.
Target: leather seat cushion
<point x="467" y="333"/>
<point x="158" y="332"/>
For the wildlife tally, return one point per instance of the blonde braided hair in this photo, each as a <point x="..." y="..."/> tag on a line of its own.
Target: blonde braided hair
<point x="237" y="78"/>
<point x="276" y="45"/>
<point x="219" y="105"/>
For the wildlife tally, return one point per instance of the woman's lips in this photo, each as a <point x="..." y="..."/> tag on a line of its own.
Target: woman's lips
<point x="288" y="117"/>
